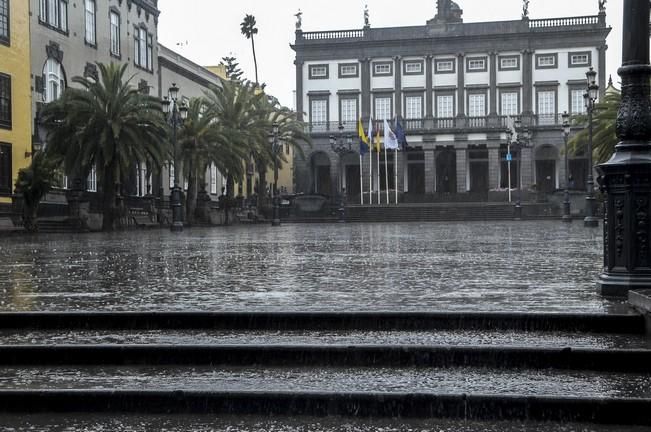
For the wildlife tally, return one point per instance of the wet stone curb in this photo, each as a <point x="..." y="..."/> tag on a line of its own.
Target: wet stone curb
<point x="468" y="407"/>
<point x="604" y="360"/>
<point x="595" y="323"/>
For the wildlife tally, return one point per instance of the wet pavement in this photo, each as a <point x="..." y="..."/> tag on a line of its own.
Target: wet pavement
<point x="461" y="380"/>
<point x="492" y="266"/>
<point x="428" y="338"/>
<point x="205" y="423"/>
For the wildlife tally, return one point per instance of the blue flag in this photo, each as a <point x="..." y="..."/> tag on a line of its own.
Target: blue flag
<point x="400" y="134"/>
<point x="363" y="139"/>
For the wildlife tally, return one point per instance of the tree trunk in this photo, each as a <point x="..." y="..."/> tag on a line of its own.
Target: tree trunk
<point x="263" y="197"/>
<point x="255" y="61"/>
<point x="191" y="199"/>
<point x="108" y="205"/>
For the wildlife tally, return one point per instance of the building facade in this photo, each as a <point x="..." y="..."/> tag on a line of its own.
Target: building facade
<point x="15" y="112"/>
<point x="455" y="87"/>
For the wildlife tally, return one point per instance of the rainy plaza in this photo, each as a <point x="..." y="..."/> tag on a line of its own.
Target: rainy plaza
<point x="449" y="231"/>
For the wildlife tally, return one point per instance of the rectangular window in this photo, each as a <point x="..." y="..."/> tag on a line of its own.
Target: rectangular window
<point x="580" y="59"/>
<point x="509" y="63"/>
<point x="5" y="101"/>
<point x="413" y="68"/>
<point x="414" y="107"/>
<point x="5" y="169"/>
<point x="142" y="40"/>
<point x="546" y="61"/>
<point x="213" y="179"/>
<point x="477" y="65"/>
<point x="4" y="21"/>
<point x="577" y="102"/>
<point x="382" y="69"/>
<point x="546" y="107"/>
<point x="54" y="13"/>
<point x="348" y="111"/>
<point x="90" y="21"/>
<point x="445" y="106"/>
<point x="115" y="34"/>
<point x="63" y="15"/>
<point x="476" y="105"/>
<point x="445" y="66"/>
<point x="318" y="112"/>
<point x="348" y="70"/>
<point x="509" y="104"/>
<point x="91" y="181"/>
<point x="142" y="180"/>
<point x="383" y="108"/>
<point x="172" y="175"/>
<point x="150" y="52"/>
<point x="42" y="10"/>
<point x="319" y="71"/>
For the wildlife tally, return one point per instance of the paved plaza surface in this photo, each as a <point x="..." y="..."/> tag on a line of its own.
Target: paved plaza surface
<point x="536" y="266"/>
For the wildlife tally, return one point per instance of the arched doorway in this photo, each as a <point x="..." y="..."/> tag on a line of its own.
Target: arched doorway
<point x="546" y="168"/>
<point x="320" y="170"/>
<point x="446" y="171"/>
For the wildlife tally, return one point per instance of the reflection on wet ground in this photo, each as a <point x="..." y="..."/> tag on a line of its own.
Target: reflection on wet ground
<point x="429" y="338"/>
<point x="95" y="423"/>
<point x="340" y="380"/>
<point x="506" y="266"/>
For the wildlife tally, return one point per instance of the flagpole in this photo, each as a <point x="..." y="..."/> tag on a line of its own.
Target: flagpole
<point x="379" y="186"/>
<point x="386" y="174"/>
<point x="361" y="179"/>
<point x="508" y="162"/>
<point x="370" y="175"/>
<point x="395" y="172"/>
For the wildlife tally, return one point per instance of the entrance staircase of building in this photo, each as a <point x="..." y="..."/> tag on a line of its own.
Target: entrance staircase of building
<point x="265" y="370"/>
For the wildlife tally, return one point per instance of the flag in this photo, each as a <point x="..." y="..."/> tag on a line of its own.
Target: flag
<point x="400" y="134"/>
<point x="390" y="139"/>
<point x="378" y="145"/>
<point x="363" y="139"/>
<point x="511" y="125"/>
<point x="370" y="130"/>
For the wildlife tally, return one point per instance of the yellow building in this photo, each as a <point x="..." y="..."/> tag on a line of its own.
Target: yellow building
<point x="15" y="94"/>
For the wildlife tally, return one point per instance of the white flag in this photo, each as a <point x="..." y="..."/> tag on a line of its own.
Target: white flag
<point x="390" y="139"/>
<point x="370" y="133"/>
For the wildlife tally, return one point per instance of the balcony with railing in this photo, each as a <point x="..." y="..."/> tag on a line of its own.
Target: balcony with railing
<point x="438" y="125"/>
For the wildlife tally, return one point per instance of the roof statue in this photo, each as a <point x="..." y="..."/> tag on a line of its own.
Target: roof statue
<point x="367" y="21"/>
<point x="602" y="6"/>
<point x="447" y="12"/>
<point x="525" y="9"/>
<point x="299" y="20"/>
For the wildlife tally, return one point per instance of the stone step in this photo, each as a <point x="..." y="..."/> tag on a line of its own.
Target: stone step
<point x="237" y="423"/>
<point x="377" y="356"/>
<point x="507" y="338"/>
<point x="628" y="323"/>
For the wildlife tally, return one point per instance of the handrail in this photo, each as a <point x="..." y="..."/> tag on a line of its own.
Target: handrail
<point x="334" y="34"/>
<point x="564" y="22"/>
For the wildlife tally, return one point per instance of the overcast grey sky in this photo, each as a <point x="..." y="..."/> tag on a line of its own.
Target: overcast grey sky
<point x="212" y="28"/>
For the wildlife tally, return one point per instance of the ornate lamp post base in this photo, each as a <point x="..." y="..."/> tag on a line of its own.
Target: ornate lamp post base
<point x="567" y="215"/>
<point x="517" y="211"/>
<point x="590" y="221"/>
<point x="177" y="210"/>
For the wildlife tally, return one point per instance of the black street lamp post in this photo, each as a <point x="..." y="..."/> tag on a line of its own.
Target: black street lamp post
<point x="625" y="177"/>
<point x="517" y="143"/>
<point x="275" y="144"/>
<point x="567" y="216"/>
<point x="590" y="98"/>
<point x="176" y="113"/>
<point x="341" y="145"/>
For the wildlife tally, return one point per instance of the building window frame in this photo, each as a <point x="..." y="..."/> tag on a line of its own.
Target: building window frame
<point x="447" y="93"/>
<point x="5" y="22"/>
<point x="348" y="97"/>
<point x="470" y="60"/>
<point x="6" y="169"/>
<point x="343" y="74"/>
<point x="510" y="90"/>
<point x="320" y="125"/>
<point x="143" y="48"/>
<point x="572" y="64"/>
<point x="316" y="76"/>
<point x="383" y="64"/>
<point x="539" y="57"/>
<point x="420" y="70"/>
<point x="439" y="71"/>
<point x="114" y="33"/>
<point x="54" y="15"/>
<point x="477" y="92"/>
<point x="515" y="57"/>
<point x="56" y="76"/>
<point x="571" y="89"/>
<point x="414" y="95"/>
<point x="383" y="95"/>
<point x="547" y="118"/>
<point x="5" y="100"/>
<point x="90" y="23"/>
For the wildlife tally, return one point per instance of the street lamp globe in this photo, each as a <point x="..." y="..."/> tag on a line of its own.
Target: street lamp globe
<point x="183" y="110"/>
<point x="166" y="105"/>
<point x="174" y="92"/>
<point x="566" y="123"/>
<point x="591" y="76"/>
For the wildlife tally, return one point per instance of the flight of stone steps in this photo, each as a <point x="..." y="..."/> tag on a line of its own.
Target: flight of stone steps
<point x="324" y="371"/>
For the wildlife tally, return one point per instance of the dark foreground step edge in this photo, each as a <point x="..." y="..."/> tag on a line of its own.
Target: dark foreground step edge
<point x="595" y="359"/>
<point x="578" y="322"/>
<point x="420" y="405"/>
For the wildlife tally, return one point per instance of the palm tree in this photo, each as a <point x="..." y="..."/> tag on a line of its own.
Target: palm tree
<point x="249" y="29"/>
<point x="604" y="134"/>
<point x="33" y="183"/>
<point x="110" y="124"/>
<point x="197" y="138"/>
